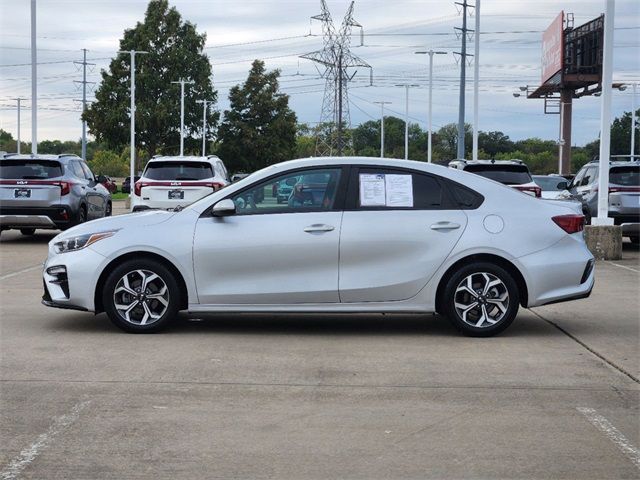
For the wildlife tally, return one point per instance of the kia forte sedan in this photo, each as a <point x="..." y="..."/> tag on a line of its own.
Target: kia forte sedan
<point x="355" y="235"/>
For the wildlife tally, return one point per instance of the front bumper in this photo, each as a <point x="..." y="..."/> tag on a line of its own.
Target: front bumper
<point x="83" y="268"/>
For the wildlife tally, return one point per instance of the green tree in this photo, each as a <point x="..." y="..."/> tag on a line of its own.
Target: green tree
<point x="106" y="162"/>
<point x="259" y="129"/>
<point x="493" y="143"/>
<point x="175" y="52"/>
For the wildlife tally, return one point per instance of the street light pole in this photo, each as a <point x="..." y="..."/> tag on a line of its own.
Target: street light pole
<point x="406" y="118"/>
<point x="431" y="53"/>
<point x="476" y="83"/>
<point x="182" y="84"/>
<point x="132" y="109"/>
<point x="633" y="122"/>
<point x="205" y="104"/>
<point x="34" y="82"/>
<point x="19" y="99"/>
<point x="382" y="104"/>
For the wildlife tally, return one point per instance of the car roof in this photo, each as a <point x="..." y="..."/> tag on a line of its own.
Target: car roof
<point x="615" y="163"/>
<point x="183" y="158"/>
<point x="514" y="161"/>
<point x="22" y="156"/>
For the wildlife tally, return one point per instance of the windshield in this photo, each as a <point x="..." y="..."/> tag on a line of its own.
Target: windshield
<point x="30" y="169"/>
<point x="626" y="176"/>
<point x="507" y="174"/>
<point x="549" y="183"/>
<point x="178" y="171"/>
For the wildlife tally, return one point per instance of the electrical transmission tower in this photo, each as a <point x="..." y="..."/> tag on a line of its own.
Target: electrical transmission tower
<point x="336" y="57"/>
<point x="463" y="65"/>
<point x="84" y="99"/>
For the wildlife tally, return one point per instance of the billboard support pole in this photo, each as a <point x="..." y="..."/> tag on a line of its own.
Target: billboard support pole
<point x="566" y="107"/>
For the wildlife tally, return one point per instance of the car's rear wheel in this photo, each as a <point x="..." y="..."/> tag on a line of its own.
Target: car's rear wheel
<point x="82" y="215"/>
<point x="27" y="231"/>
<point x="481" y="299"/>
<point x="108" y="210"/>
<point x="141" y="296"/>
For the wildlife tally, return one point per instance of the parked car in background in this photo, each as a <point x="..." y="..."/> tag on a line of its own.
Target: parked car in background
<point x="49" y="192"/>
<point x="170" y="182"/>
<point x="553" y="186"/>
<point x="624" y="194"/>
<point x="373" y="235"/>
<point x="107" y="183"/>
<point x="514" y="173"/>
<point x="238" y="176"/>
<point x="126" y="184"/>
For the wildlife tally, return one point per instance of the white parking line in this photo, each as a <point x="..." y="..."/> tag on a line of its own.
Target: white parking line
<point x="613" y="433"/>
<point x="625" y="267"/>
<point x="28" y="454"/>
<point x="25" y="270"/>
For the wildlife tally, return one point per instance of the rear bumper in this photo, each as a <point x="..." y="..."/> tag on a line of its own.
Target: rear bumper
<point x="630" y="223"/>
<point x="57" y="216"/>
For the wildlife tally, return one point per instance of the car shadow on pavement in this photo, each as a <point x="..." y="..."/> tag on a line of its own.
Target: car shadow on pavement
<point x="11" y="238"/>
<point x="308" y="324"/>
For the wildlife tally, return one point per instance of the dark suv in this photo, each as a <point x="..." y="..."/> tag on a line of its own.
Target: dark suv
<point x="49" y="191"/>
<point x="624" y="194"/>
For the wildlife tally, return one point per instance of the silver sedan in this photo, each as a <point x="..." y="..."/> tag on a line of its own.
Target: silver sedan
<point x="354" y="235"/>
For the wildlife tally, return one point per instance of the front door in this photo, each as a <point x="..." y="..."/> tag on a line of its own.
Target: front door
<point x="271" y="252"/>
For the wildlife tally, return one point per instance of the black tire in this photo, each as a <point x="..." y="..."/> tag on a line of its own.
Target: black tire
<point x="108" y="210"/>
<point x="135" y="324"/>
<point x="27" y="231"/>
<point x="82" y="215"/>
<point x="454" y="292"/>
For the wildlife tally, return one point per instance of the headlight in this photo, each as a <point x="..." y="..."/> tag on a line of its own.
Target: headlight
<point x="76" y="243"/>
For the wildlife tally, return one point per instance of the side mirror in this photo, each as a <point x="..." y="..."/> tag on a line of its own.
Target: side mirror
<point x="224" y="208"/>
<point x="562" y="185"/>
<point x="101" y="179"/>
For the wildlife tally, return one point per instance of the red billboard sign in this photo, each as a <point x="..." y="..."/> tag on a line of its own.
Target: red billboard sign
<point x="552" y="47"/>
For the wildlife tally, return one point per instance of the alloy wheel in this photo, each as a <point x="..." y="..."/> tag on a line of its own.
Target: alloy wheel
<point x="141" y="297"/>
<point x="481" y="299"/>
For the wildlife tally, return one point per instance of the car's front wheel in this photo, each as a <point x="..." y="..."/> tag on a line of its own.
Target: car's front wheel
<point x="481" y="299"/>
<point x="141" y="296"/>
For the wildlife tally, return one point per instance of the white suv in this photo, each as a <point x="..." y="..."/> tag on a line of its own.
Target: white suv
<point x="170" y="182"/>
<point x="514" y="173"/>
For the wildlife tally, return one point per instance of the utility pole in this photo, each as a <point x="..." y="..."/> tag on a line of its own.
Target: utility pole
<point x="633" y="121"/>
<point x="406" y="119"/>
<point x="19" y="99"/>
<point x="34" y="82"/>
<point x="205" y="104"/>
<point x="182" y="84"/>
<point x="133" y="115"/>
<point x="340" y="73"/>
<point x="605" y="119"/>
<point x="84" y="99"/>
<point x="463" y="66"/>
<point x="431" y="53"/>
<point x="476" y="83"/>
<point x="382" y="104"/>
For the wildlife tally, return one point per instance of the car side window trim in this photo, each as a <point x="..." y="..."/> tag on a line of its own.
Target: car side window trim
<point x="338" y="204"/>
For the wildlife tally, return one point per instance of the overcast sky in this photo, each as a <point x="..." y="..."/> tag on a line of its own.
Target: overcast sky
<point x="394" y="30"/>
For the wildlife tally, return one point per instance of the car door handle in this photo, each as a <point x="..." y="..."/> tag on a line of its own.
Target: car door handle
<point x="445" y="226"/>
<point x="318" y="227"/>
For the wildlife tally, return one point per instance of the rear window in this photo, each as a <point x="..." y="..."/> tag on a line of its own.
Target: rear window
<point x="30" y="169"/>
<point x="507" y="174"/>
<point x="626" y="176"/>
<point x="178" y="171"/>
<point x="549" y="183"/>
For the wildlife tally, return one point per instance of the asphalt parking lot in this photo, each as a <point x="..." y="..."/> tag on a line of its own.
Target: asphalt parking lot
<point x="555" y="396"/>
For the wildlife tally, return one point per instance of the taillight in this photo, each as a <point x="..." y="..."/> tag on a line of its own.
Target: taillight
<point x="571" y="223"/>
<point x="137" y="188"/>
<point x="215" y="185"/>
<point x="65" y="187"/>
<point x="537" y="191"/>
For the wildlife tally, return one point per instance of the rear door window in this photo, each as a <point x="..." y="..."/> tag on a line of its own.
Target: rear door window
<point x="507" y="174"/>
<point x="30" y="169"/>
<point x="178" y="171"/>
<point x="625" y="176"/>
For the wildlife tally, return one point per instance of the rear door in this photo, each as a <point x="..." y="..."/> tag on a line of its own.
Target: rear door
<point x="30" y="182"/>
<point x="96" y="201"/>
<point x="398" y="227"/>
